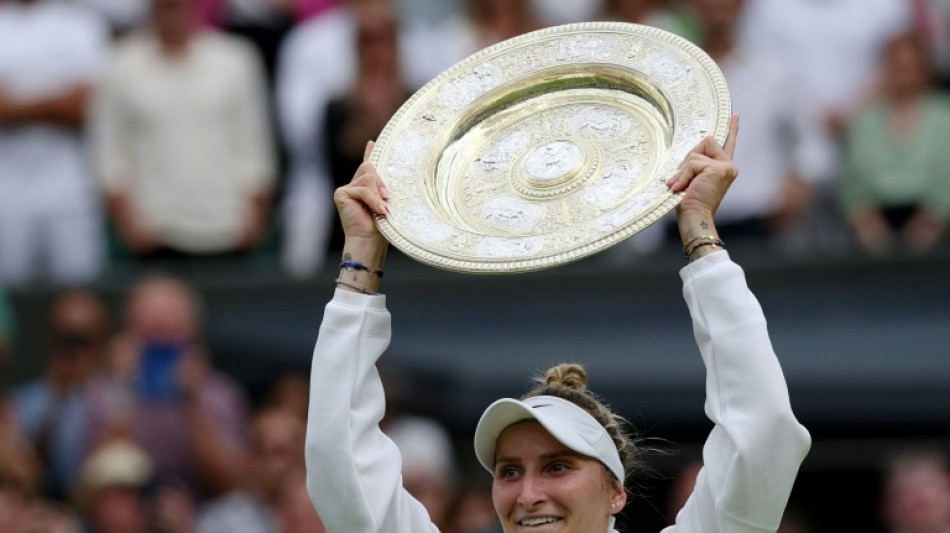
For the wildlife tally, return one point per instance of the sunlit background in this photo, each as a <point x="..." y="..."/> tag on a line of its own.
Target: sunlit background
<point x="168" y="242"/>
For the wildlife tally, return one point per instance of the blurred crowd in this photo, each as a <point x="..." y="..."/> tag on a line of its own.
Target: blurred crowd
<point x="215" y="130"/>
<point x="152" y="132"/>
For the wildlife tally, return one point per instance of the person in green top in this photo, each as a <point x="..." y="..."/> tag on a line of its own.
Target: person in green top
<point x="895" y="187"/>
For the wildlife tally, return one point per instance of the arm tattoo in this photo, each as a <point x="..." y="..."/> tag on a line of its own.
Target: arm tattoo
<point x="704" y="225"/>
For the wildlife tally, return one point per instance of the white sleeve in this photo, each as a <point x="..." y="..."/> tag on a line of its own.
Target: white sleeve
<point x="752" y="455"/>
<point x="353" y="469"/>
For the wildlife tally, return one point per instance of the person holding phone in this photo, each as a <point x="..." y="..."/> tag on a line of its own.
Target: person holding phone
<point x="163" y="391"/>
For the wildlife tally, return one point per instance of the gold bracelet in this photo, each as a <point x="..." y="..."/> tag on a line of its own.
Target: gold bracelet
<point x="698" y="237"/>
<point x="718" y="243"/>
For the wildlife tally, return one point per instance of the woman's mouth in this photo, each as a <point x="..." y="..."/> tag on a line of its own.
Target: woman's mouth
<point x="532" y="522"/>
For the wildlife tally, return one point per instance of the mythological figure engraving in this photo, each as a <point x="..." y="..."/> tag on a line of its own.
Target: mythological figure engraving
<point x="616" y="182"/>
<point x="553" y="160"/>
<point x="510" y="214"/>
<point x="462" y="91"/>
<point x="501" y="153"/>
<point x="599" y="122"/>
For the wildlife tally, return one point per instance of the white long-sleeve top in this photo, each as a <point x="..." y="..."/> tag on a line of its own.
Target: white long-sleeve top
<point x="751" y="457"/>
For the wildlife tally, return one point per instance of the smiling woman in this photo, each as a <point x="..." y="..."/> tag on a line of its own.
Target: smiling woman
<point x="558" y="456"/>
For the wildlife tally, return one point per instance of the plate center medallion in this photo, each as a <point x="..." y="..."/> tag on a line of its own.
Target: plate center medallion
<point x="553" y="163"/>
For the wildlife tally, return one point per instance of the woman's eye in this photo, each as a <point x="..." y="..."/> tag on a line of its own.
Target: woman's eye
<point x="509" y="473"/>
<point x="558" y="467"/>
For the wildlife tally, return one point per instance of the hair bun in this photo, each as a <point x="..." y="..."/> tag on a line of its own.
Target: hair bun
<point x="568" y="375"/>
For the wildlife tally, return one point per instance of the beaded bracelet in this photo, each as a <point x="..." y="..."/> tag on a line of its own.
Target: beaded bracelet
<point x="356" y="265"/>
<point x="356" y="286"/>
<point x="717" y="242"/>
<point x="687" y="246"/>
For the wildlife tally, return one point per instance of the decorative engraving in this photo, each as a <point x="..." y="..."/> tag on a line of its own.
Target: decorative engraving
<point x="584" y="47"/>
<point x="599" y="122"/>
<point x="427" y="227"/>
<point x="670" y="70"/>
<point x="511" y="215"/>
<point x="463" y="91"/>
<point x="406" y="154"/>
<point x="623" y="215"/>
<point x="501" y="247"/>
<point x="502" y="152"/>
<point x="553" y="161"/>
<point x="687" y="139"/>
<point x="490" y="172"/>
<point x="617" y="180"/>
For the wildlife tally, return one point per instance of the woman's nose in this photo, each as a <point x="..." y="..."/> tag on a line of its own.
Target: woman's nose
<point x="532" y="491"/>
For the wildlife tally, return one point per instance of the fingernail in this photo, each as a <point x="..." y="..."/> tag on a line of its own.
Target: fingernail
<point x="383" y="209"/>
<point x="384" y="192"/>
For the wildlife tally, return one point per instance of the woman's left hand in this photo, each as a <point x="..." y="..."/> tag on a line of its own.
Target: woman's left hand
<point x="706" y="173"/>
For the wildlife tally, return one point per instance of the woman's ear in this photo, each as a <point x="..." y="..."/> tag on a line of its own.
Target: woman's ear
<point x="618" y="497"/>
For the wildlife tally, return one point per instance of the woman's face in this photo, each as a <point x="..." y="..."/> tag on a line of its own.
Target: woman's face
<point x="543" y="486"/>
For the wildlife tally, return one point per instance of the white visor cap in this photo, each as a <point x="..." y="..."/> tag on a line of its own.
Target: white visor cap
<point x="571" y="425"/>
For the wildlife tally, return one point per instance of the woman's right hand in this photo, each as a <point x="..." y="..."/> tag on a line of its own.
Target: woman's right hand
<point x="359" y="204"/>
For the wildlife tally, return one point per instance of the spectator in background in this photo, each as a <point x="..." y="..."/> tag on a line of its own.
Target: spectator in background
<point x="121" y="15"/>
<point x="53" y="410"/>
<point x="163" y="393"/>
<point x="431" y="50"/>
<point x="21" y="511"/>
<point x="429" y="472"/>
<point x="290" y="393"/>
<point x="317" y="63"/>
<point x="916" y="497"/>
<point x="51" y="55"/>
<point x="375" y="96"/>
<point x="896" y="179"/>
<point x="831" y="47"/>
<point x="182" y="140"/>
<point x="555" y="12"/>
<point x="276" y="453"/>
<point x="654" y="13"/>
<point x="20" y="471"/>
<point x="297" y="514"/>
<point x="782" y="149"/>
<point x="473" y="512"/>
<point x="111" y="489"/>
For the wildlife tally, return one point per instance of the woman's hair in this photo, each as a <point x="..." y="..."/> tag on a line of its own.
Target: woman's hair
<point x="568" y="381"/>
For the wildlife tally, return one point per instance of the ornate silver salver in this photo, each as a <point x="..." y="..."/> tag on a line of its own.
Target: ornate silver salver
<point x="546" y="148"/>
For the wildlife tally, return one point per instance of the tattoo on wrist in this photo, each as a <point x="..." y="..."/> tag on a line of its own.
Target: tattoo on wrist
<point x="347" y="256"/>
<point x="704" y="225"/>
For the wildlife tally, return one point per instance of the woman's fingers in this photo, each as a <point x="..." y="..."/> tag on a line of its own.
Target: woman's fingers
<point x="368" y="150"/>
<point x="729" y="147"/>
<point x="367" y="168"/>
<point x="696" y="165"/>
<point x="367" y="187"/>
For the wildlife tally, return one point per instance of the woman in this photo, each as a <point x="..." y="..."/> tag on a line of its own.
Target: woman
<point x="558" y="457"/>
<point x="894" y="186"/>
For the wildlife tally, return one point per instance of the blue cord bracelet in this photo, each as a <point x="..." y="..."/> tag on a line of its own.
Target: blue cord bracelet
<point x="356" y="265"/>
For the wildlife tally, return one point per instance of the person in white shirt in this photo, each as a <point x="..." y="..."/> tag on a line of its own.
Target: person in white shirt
<point x="559" y="459"/>
<point x="51" y="56"/>
<point x="182" y="139"/>
<point x="782" y="144"/>
<point x="831" y="47"/>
